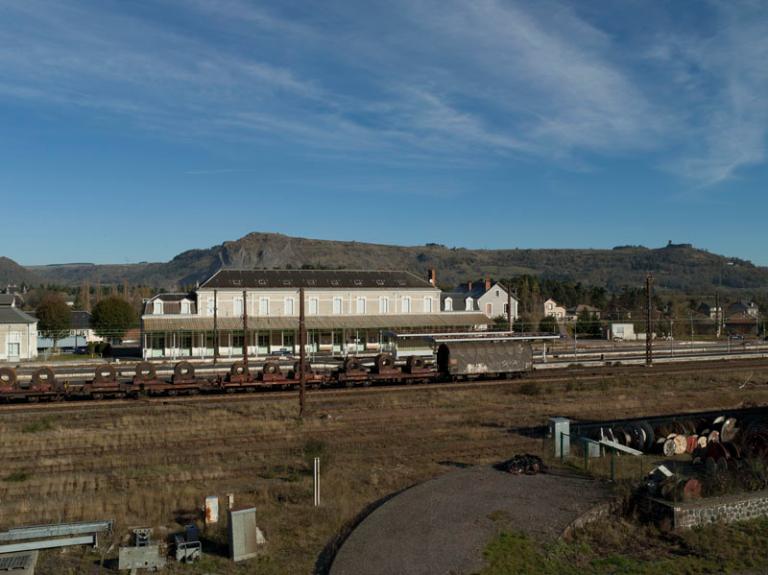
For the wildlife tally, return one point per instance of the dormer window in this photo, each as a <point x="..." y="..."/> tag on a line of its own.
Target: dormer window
<point x="469" y="304"/>
<point x="185" y="307"/>
<point x="157" y="307"/>
<point x="448" y="304"/>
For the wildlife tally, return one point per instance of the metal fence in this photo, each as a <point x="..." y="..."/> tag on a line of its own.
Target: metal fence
<point x="600" y="460"/>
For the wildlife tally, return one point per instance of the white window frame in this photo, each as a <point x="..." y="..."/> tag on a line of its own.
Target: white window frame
<point x="186" y="307"/>
<point x="289" y="302"/>
<point x="468" y="304"/>
<point x="157" y="307"/>
<point x="428" y="305"/>
<point x="489" y="309"/>
<point x="405" y="304"/>
<point x="337" y="306"/>
<point x="360" y="305"/>
<point x="263" y="306"/>
<point x="314" y="306"/>
<point x="383" y="304"/>
<point x="210" y="306"/>
<point x="237" y="302"/>
<point x="448" y="304"/>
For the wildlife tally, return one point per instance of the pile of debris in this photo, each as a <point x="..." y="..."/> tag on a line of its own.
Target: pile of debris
<point x="525" y="464"/>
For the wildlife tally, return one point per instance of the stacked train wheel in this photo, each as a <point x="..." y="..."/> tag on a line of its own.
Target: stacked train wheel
<point x="8" y="379"/>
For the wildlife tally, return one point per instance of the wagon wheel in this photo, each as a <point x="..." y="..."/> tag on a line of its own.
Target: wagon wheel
<point x="271" y="368"/>
<point x="297" y="369"/>
<point x="183" y="370"/>
<point x="384" y="361"/>
<point x="105" y="374"/>
<point x="145" y="371"/>
<point x="238" y="368"/>
<point x="414" y="363"/>
<point x="44" y="376"/>
<point x="352" y="364"/>
<point x="8" y="376"/>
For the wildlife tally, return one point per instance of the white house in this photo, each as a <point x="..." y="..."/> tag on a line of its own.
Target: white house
<point x="486" y="296"/>
<point x="18" y="332"/>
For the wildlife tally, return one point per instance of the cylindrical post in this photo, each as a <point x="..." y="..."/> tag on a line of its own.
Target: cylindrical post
<point x="562" y="452"/>
<point x="613" y="465"/>
<point x="316" y="476"/>
<point x="302" y="353"/>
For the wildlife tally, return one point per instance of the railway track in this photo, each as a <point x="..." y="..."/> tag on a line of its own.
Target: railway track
<point x="582" y="375"/>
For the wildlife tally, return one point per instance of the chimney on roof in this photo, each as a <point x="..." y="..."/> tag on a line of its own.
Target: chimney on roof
<point x="432" y="277"/>
<point x="487" y="283"/>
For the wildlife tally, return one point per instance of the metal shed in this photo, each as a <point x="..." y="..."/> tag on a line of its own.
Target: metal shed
<point x="480" y="357"/>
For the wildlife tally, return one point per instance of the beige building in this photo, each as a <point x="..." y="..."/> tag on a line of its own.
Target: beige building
<point x="18" y="332"/>
<point x="552" y="309"/>
<point x="346" y="312"/>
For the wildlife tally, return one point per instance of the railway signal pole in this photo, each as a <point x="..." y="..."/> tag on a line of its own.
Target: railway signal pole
<point x="302" y="353"/>
<point x="649" y="321"/>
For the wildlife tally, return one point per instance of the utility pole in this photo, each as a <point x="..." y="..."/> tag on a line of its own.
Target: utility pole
<point x="649" y="321"/>
<point x="245" y="334"/>
<point x="215" y="326"/>
<point x="717" y="313"/>
<point x="302" y="354"/>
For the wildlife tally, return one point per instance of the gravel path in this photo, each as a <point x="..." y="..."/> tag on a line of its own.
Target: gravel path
<point x="441" y="527"/>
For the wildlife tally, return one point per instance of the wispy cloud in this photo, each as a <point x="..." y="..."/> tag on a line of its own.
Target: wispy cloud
<point x="407" y="80"/>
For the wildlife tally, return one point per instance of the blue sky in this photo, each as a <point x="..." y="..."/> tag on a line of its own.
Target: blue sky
<point x="132" y="130"/>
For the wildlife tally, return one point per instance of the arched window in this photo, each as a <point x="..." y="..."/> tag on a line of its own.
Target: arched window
<point x="469" y="304"/>
<point x="157" y="307"/>
<point x="448" y="305"/>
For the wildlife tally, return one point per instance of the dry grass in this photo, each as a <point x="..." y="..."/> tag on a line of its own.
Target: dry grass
<point x="153" y="464"/>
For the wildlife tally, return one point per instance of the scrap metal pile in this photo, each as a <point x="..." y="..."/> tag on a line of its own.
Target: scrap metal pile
<point x="526" y="464"/>
<point x="720" y="443"/>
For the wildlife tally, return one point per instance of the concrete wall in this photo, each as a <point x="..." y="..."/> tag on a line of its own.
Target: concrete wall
<point x="721" y="510"/>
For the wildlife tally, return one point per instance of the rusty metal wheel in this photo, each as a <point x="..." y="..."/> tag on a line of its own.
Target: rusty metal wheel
<point x="384" y="361"/>
<point x="44" y="376"/>
<point x="145" y="371"/>
<point x="105" y="374"/>
<point x="8" y="376"/>
<point x="238" y="368"/>
<point x="183" y="370"/>
<point x="352" y="364"/>
<point x="414" y="363"/>
<point x="271" y="368"/>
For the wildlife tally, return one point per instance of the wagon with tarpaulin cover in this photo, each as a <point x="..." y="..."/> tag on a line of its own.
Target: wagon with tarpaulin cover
<point x="487" y="357"/>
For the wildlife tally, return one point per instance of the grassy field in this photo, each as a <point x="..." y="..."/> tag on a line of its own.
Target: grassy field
<point x="626" y="549"/>
<point x="153" y="464"/>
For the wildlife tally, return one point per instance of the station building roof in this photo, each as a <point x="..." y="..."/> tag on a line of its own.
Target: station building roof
<point x="315" y="279"/>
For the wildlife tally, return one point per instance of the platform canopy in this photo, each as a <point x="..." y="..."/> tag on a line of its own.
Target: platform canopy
<point x="394" y="321"/>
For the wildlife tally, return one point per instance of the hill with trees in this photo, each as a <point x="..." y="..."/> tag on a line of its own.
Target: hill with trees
<point x="676" y="267"/>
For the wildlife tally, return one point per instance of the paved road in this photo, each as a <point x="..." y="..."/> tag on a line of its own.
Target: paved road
<point x="441" y="527"/>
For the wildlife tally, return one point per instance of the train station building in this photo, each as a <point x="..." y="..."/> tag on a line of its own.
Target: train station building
<point x="345" y="312"/>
